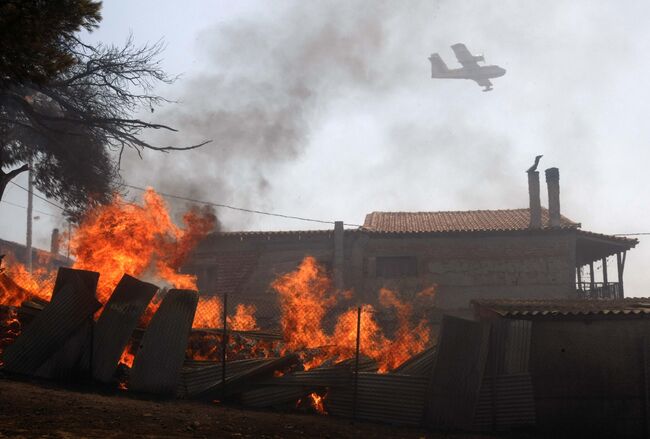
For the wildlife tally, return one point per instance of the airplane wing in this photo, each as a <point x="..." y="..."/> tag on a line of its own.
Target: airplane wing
<point x="465" y="57"/>
<point x="484" y="83"/>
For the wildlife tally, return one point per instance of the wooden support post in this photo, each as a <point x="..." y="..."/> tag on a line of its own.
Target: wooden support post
<point x="605" y="280"/>
<point x="591" y="276"/>
<point x="620" y="262"/>
<point x="578" y="278"/>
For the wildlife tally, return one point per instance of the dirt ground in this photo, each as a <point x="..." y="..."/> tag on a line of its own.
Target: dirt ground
<point x="37" y="409"/>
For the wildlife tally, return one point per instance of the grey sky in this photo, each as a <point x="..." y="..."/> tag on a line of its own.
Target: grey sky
<point x="326" y="109"/>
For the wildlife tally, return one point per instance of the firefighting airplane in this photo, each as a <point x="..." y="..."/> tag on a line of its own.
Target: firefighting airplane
<point x="471" y="69"/>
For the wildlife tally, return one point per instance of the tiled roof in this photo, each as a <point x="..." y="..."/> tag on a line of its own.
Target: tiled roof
<point x="263" y="233"/>
<point x="622" y="240"/>
<point x="457" y="221"/>
<point x="564" y="307"/>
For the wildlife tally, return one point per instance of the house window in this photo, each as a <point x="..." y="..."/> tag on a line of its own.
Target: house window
<point x="397" y="266"/>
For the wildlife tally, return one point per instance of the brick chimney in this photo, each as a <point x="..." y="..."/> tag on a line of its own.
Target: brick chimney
<point x="54" y="245"/>
<point x="553" y="184"/>
<point x="535" y="203"/>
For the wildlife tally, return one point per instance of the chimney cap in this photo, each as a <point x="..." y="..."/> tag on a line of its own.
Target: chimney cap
<point x="552" y="174"/>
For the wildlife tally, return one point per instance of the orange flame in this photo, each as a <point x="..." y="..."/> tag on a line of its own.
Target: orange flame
<point x="140" y="240"/>
<point x="244" y="318"/>
<point x="127" y="356"/>
<point x="306" y="297"/>
<point x="18" y="285"/>
<point x="208" y="313"/>
<point x="317" y="403"/>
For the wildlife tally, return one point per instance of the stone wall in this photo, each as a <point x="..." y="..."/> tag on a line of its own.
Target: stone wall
<point x="470" y="267"/>
<point x="463" y="267"/>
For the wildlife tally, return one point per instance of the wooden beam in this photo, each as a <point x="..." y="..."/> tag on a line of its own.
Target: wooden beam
<point x="620" y="263"/>
<point x="604" y="262"/>
<point x="591" y="276"/>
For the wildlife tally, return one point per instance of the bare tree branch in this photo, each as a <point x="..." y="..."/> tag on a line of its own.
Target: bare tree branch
<point x="81" y="121"/>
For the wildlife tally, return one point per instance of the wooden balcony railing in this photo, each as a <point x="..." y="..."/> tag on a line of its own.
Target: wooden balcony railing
<point x="600" y="290"/>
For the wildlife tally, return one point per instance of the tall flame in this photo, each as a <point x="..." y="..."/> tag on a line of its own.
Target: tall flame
<point x="141" y="240"/>
<point x="306" y="297"/>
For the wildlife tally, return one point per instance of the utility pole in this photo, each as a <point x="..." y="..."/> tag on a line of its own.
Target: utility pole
<point x="30" y="208"/>
<point x="69" y="237"/>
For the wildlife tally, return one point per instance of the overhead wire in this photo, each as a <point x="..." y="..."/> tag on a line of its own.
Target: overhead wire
<point x="35" y="210"/>
<point x="242" y="209"/>
<point x="38" y="196"/>
<point x="210" y="203"/>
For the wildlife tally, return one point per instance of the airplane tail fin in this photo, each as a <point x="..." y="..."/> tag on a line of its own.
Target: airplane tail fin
<point x="438" y="66"/>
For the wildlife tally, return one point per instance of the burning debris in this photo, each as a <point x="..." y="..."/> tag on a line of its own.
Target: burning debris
<point x="122" y="330"/>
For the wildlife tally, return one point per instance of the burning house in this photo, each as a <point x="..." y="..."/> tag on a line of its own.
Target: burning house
<point x="340" y="320"/>
<point x="532" y="252"/>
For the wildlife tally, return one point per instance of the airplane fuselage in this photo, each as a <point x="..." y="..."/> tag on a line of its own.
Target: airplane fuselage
<point x="482" y="72"/>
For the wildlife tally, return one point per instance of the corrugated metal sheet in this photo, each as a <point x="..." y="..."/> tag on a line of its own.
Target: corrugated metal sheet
<point x="204" y="382"/>
<point x="555" y="308"/>
<point x="272" y="396"/>
<point x="517" y="347"/>
<point x="420" y="364"/>
<point x="509" y="347"/>
<point x="288" y="388"/>
<point x="506" y="403"/>
<point x="65" y="275"/>
<point x="73" y="305"/>
<point x="116" y="324"/>
<point x="72" y="361"/>
<point x="314" y="378"/>
<point x="198" y="363"/>
<point x="158" y="362"/>
<point x="506" y="396"/>
<point x="198" y="379"/>
<point x="366" y="364"/>
<point x="457" y="373"/>
<point x="388" y="398"/>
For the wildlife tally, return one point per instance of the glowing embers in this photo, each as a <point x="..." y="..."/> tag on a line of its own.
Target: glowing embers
<point x="9" y="328"/>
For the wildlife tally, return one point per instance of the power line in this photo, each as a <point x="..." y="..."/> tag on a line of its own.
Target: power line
<point x="209" y="203"/>
<point x="242" y="209"/>
<point x="35" y="210"/>
<point x="38" y="196"/>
